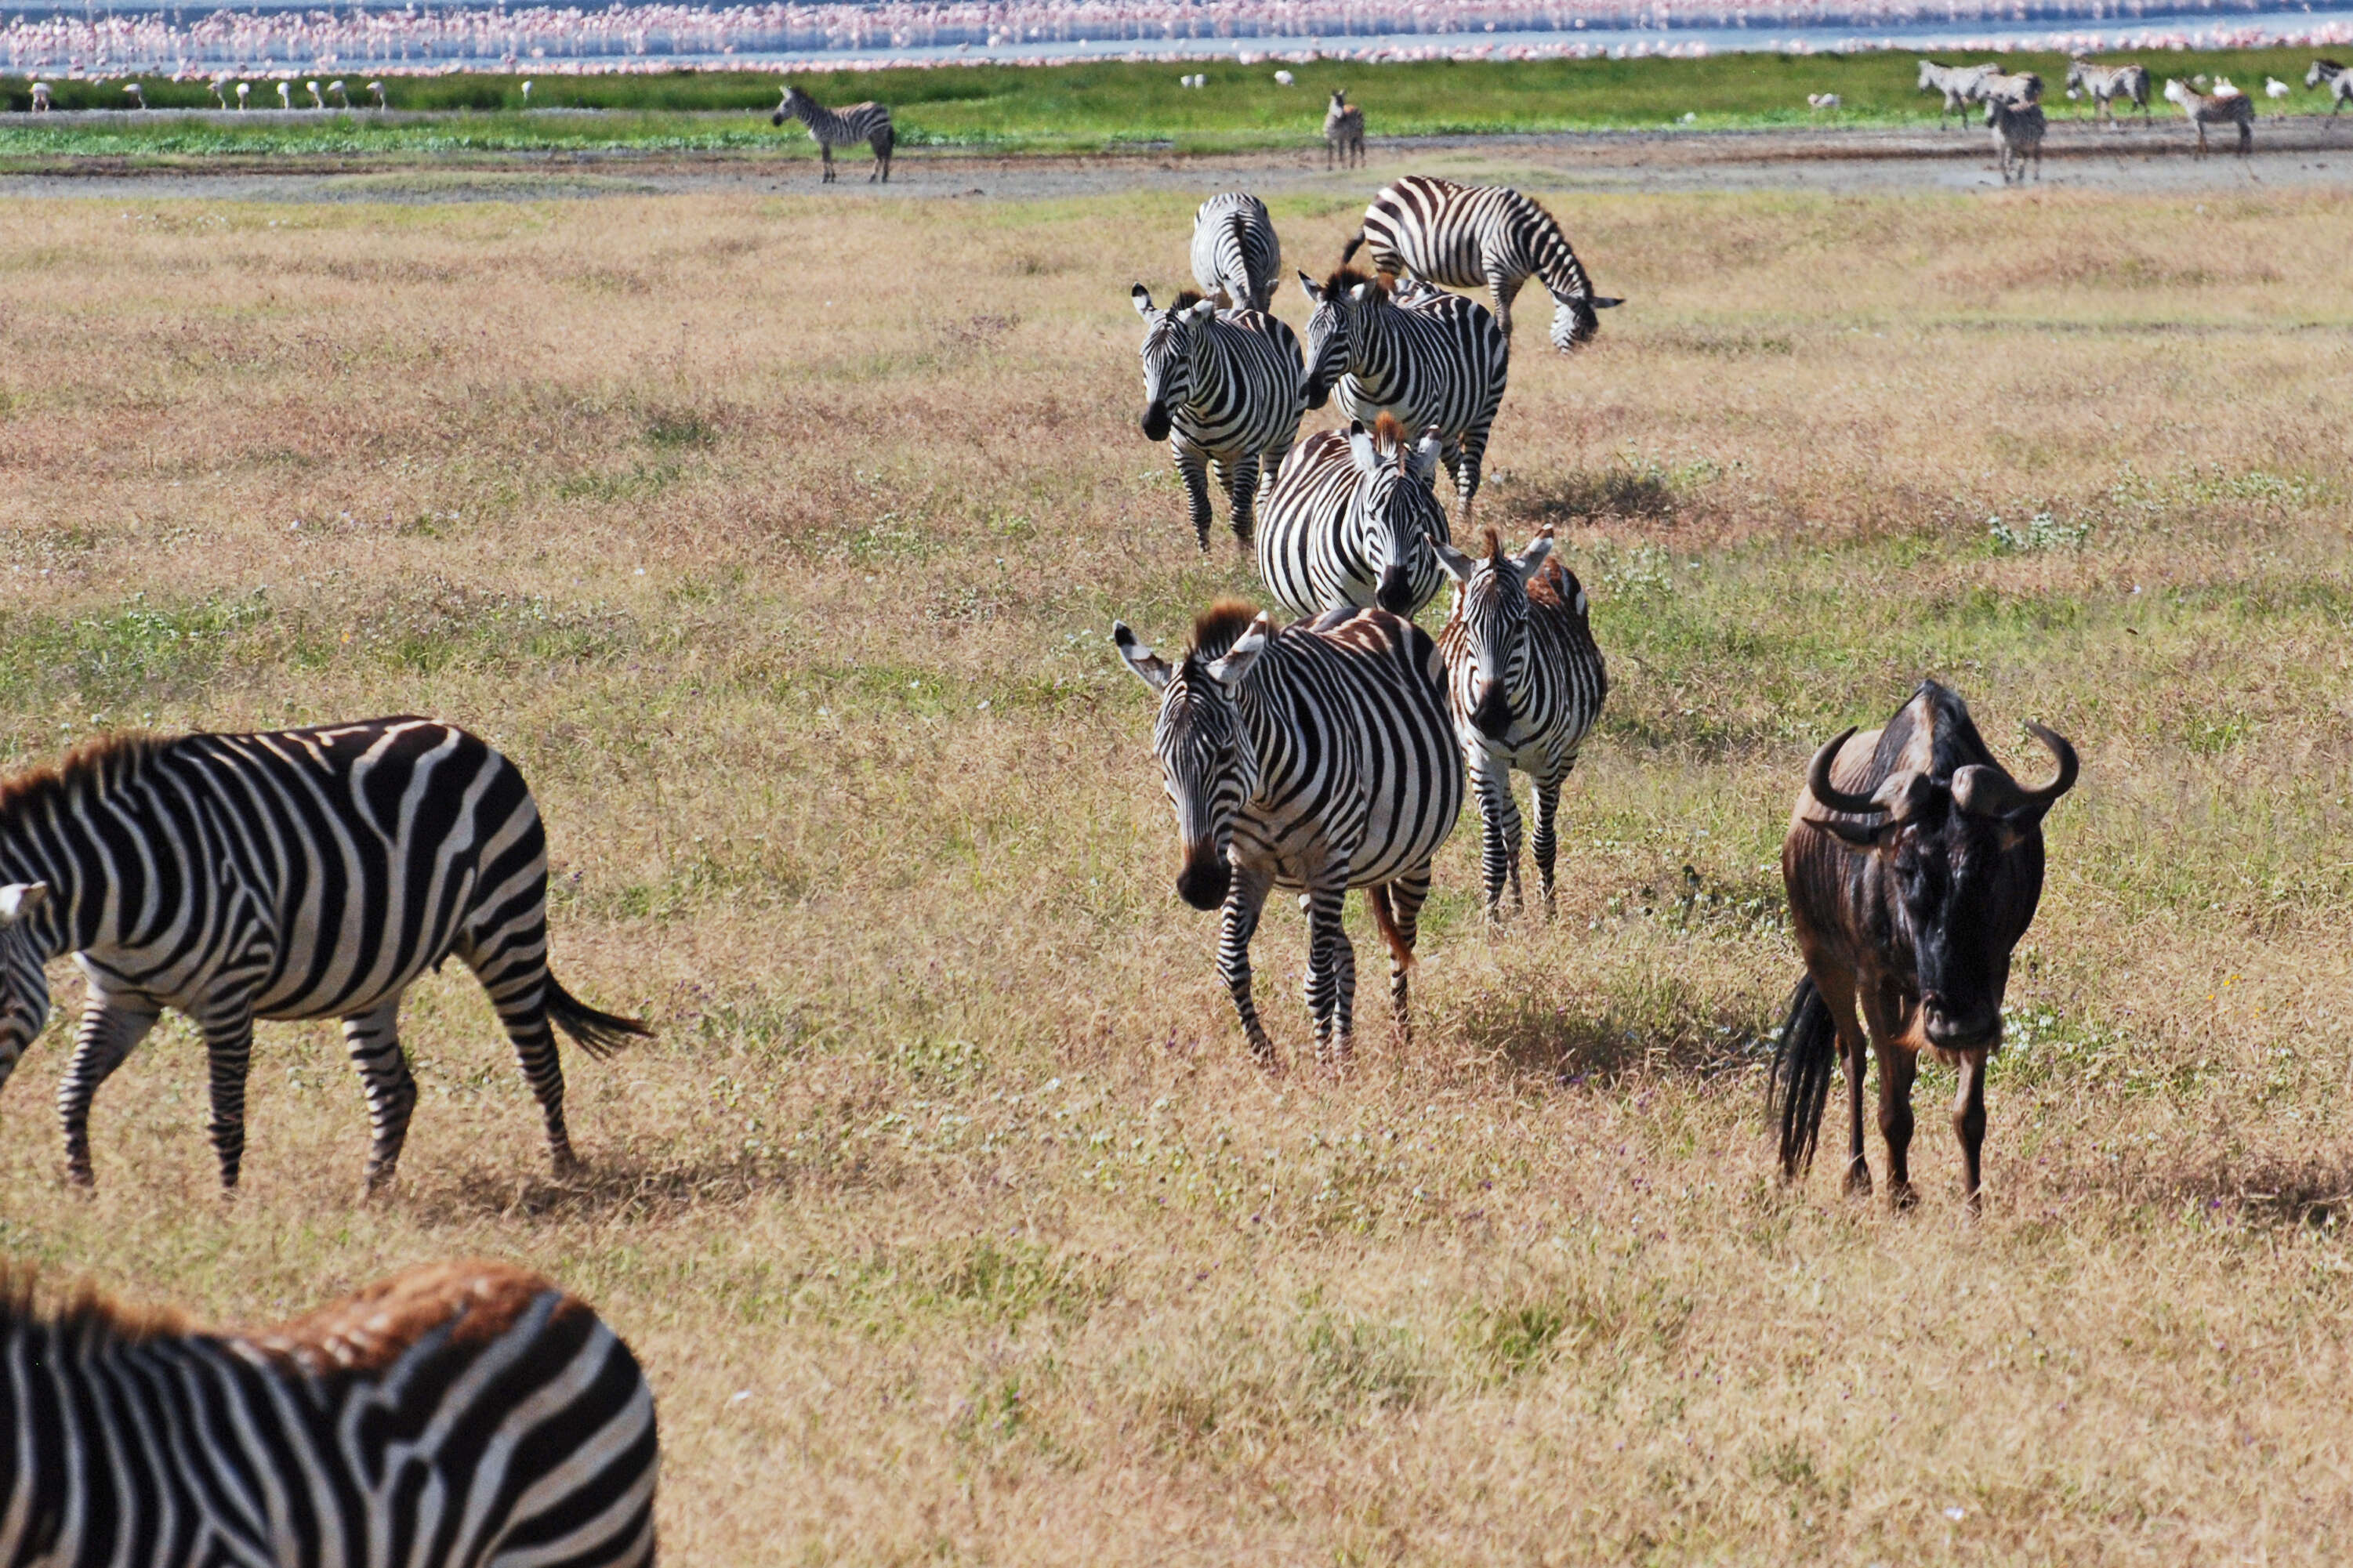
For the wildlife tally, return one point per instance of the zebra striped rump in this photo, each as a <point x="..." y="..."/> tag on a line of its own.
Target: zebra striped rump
<point x="1351" y="521"/>
<point x="1235" y="250"/>
<point x="1223" y="388"/>
<point x="466" y="1414"/>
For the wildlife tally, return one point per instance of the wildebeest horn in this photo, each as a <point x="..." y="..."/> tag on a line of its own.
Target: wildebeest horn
<point x="1818" y="780"/>
<point x="1989" y="792"/>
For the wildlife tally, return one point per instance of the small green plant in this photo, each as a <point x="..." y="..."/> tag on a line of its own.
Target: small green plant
<point x="2040" y="532"/>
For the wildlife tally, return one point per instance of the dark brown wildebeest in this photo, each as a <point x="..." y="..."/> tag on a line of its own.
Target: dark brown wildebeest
<point x="1914" y="864"/>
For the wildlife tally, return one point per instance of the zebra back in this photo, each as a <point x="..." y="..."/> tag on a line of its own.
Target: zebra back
<point x="1430" y="360"/>
<point x="1352" y="523"/>
<point x="1227" y="382"/>
<point x="835" y="127"/>
<point x="1235" y="249"/>
<point x="1467" y="235"/>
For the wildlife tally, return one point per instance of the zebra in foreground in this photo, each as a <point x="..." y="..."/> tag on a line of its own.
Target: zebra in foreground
<point x="1351" y="522"/>
<point x="1221" y="388"/>
<point x="2231" y="108"/>
<point x="1317" y="757"/>
<point x="1344" y="132"/>
<point x="831" y="128"/>
<point x="2338" y="79"/>
<point x="1428" y="359"/>
<point x="1525" y="682"/>
<point x="295" y="874"/>
<point x="2106" y="84"/>
<point x="1235" y="251"/>
<point x="1959" y="84"/>
<point x="2017" y="135"/>
<point x="463" y="1414"/>
<point x="1464" y="235"/>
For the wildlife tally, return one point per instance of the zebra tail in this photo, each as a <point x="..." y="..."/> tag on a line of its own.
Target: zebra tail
<point x="599" y="1034"/>
<point x="1355" y="243"/>
<point x="1385" y="920"/>
<point x="1799" y="1086"/>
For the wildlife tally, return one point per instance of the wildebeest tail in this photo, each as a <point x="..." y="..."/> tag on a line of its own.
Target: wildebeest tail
<point x="1799" y="1086"/>
<point x="599" y="1034"/>
<point x="1355" y="243"/>
<point x="1384" y="921"/>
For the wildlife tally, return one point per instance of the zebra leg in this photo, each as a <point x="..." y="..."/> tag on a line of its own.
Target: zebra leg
<point x="825" y="152"/>
<point x="1242" y="491"/>
<point x="1469" y="454"/>
<point x="1407" y="894"/>
<point x="516" y="974"/>
<point x="1499" y="829"/>
<point x="1504" y="289"/>
<point x="374" y="1041"/>
<point x="1244" y="901"/>
<point x="1193" y="465"/>
<point x="1331" y="965"/>
<point x="229" y="1053"/>
<point x="109" y="1033"/>
<point x="1544" y="844"/>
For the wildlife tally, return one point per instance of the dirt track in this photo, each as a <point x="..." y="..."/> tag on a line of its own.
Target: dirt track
<point x="2156" y="158"/>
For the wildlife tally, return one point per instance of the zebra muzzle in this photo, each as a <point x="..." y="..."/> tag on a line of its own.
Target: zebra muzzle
<point x="1395" y="593"/>
<point x="778" y="118"/>
<point x="1156" y="421"/>
<point x="1493" y="717"/>
<point x="1206" y="878"/>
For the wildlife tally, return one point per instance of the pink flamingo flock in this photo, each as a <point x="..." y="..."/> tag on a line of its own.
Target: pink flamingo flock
<point x="648" y="37"/>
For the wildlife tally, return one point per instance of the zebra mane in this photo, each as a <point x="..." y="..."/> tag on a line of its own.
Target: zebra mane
<point x="1348" y="278"/>
<point x="1494" y="546"/>
<point x="103" y="763"/>
<point x="1218" y="627"/>
<point x="87" y="1315"/>
<point x="1387" y="434"/>
<point x="1186" y="299"/>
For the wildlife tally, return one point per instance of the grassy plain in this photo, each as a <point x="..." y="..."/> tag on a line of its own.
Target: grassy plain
<point x="947" y="1213"/>
<point x="1083" y="107"/>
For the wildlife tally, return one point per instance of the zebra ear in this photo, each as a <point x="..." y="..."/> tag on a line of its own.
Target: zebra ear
<point x="1149" y="666"/>
<point x="1458" y="565"/>
<point x="1220" y="301"/>
<point x="1228" y="671"/>
<point x="1142" y="297"/>
<point x="1360" y="447"/>
<point x="1307" y="285"/>
<point x="1600" y="304"/>
<point x="1422" y="462"/>
<point x="1532" y="559"/>
<point x="18" y="900"/>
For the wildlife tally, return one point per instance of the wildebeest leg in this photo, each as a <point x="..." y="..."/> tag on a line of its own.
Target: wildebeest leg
<point x="1193" y="467"/>
<point x="1968" y="1124"/>
<point x="1837" y="989"/>
<point x="1244" y="899"/>
<point x="1897" y="1069"/>
<point x="1499" y="829"/>
<point x="1242" y="491"/>
<point x="1331" y="963"/>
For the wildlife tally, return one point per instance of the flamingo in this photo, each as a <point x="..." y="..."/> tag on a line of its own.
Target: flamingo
<point x="526" y="92"/>
<point x="221" y="90"/>
<point x="377" y="88"/>
<point x="343" y="99"/>
<point x="244" y="88"/>
<point x="40" y="98"/>
<point x="316" y="102"/>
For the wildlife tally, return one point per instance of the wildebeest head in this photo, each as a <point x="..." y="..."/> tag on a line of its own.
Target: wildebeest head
<point x="1335" y="330"/>
<point x="1401" y="514"/>
<point x="1207" y="761"/>
<point x="24" y="983"/>
<point x="1961" y="850"/>
<point x="1491" y="600"/>
<point x="1170" y="337"/>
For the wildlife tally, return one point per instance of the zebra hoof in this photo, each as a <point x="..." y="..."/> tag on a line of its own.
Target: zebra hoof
<point x="81" y="1179"/>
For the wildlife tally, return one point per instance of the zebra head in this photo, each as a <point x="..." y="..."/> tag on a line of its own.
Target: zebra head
<point x="1398" y="513"/>
<point x="24" y="980"/>
<point x="1334" y="332"/>
<point x="1491" y="600"/>
<point x="1169" y="338"/>
<point x="1207" y="761"/>
<point x="2076" y="73"/>
<point x="1574" y="322"/>
<point x="791" y="108"/>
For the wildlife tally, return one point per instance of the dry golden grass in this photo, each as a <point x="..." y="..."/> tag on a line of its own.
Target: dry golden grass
<point x="777" y="540"/>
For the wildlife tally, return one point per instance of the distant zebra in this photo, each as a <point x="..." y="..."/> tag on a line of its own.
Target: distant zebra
<point x="456" y="1415"/>
<point x="1464" y="235"/>
<point x="2106" y="84"/>
<point x="2017" y="135"/>
<point x="1524" y="683"/>
<point x="1219" y="388"/>
<point x="295" y="874"/>
<point x="1351" y="521"/>
<point x="2339" y="82"/>
<point x="2025" y="88"/>
<point x="2217" y="109"/>
<point x="1426" y="358"/>
<point x="1235" y="251"/>
<point x="1959" y="85"/>
<point x="831" y="128"/>
<point x="1344" y="132"/>
<point x="1317" y="757"/>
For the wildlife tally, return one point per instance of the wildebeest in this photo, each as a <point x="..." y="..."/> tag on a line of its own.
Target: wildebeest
<point x="1914" y="863"/>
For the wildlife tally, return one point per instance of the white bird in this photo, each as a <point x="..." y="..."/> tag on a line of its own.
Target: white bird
<point x="243" y="90"/>
<point x="317" y="101"/>
<point x="1283" y="78"/>
<point x="343" y="99"/>
<point x="40" y="98"/>
<point x="377" y="88"/>
<point x="285" y="95"/>
<point x="137" y="94"/>
<point x="1821" y="100"/>
<point x="2223" y="89"/>
<point x="221" y="90"/>
<point x="2273" y="87"/>
<point x="526" y="92"/>
<point x="1689" y="117"/>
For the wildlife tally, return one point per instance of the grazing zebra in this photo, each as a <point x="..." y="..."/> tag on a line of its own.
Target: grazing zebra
<point x="2231" y="108"/>
<point x="831" y="128"/>
<point x="1344" y="132"/>
<point x="1424" y="358"/>
<point x="2339" y="82"/>
<point x="1317" y="757"/>
<point x="1350" y="523"/>
<point x="297" y="874"/>
<point x="1219" y="388"/>
<point x="1468" y="235"/>
<point x="2106" y="84"/>
<point x="2017" y="135"/>
<point x="463" y="1415"/>
<point x="1235" y="251"/>
<point x="1524" y="683"/>
<point x="1959" y="84"/>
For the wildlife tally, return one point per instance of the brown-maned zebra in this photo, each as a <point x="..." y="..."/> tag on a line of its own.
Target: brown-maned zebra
<point x="1344" y="132"/>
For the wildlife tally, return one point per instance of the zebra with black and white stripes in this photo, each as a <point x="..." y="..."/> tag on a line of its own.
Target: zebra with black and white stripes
<point x="2018" y="130"/>
<point x="1223" y="388"/>
<point x="1352" y="523"/>
<point x="830" y="128"/>
<point x="2336" y="78"/>
<point x="1427" y="359"/>
<point x="1464" y="235"/>
<point x="291" y="873"/>
<point x="1235" y="250"/>
<point x="1961" y="86"/>
<point x="1343" y="131"/>
<point x="460" y="1414"/>
<point x="2105" y="84"/>
<point x="1524" y="683"/>
<point x="1317" y="756"/>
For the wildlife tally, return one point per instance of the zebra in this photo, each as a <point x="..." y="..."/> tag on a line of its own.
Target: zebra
<point x="1350" y="523"/>
<point x="831" y="128"/>
<point x="2017" y="135"/>
<point x="2105" y="84"/>
<point x="1317" y="756"/>
<point x="1426" y="358"/>
<point x="2338" y="80"/>
<point x="2023" y="88"/>
<point x="1344" y="132"/>
<point x="2217" y="109"/>
<point x="1235" y="251"/>
<point x="1525" y="682"/>
<point x="465" y="1414"/>
<point x="294" y="874"/>
<point x="1469" y="234"/>
<point x="1223" y="388"/>
<point x="1959" y="84"/>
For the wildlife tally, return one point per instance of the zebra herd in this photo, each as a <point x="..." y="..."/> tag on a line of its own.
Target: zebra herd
<point x="1332" y="754"/>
